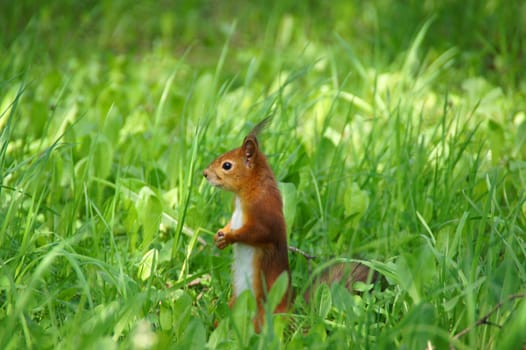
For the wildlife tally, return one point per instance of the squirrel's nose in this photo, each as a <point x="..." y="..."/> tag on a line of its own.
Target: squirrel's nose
<point x="205" y="173"/>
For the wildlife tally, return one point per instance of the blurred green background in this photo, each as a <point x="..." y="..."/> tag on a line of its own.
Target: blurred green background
<point x="399" y="136"/>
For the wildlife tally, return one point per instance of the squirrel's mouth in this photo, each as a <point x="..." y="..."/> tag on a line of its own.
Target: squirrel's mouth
<point x="214" y="180"/>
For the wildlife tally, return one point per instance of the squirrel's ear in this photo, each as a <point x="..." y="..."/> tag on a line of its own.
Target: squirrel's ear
<point x="250" y="147"/>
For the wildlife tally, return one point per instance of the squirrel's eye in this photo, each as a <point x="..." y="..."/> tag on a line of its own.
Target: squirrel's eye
<point x="227" y="165"/>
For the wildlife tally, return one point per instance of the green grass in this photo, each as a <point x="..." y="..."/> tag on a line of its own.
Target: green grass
<point x="398" y="137"/>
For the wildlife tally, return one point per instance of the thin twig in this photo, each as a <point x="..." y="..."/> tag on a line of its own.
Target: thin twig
<point x="305" y="255"/>
<point x="299" y="251"/>
<point x="485" y="319"/>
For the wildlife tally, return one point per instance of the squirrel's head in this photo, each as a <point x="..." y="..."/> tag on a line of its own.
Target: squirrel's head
<point x="241" y="168"/>
<point x="237" y="168"/>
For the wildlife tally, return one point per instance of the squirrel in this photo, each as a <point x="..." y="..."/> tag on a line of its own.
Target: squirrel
<point x="257" y="228"/>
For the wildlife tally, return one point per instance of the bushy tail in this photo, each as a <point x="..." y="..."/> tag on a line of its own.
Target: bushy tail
<point x="346" y="274"/>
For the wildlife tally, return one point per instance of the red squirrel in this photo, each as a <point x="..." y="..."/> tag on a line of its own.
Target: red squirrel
<point x="257" y="228"/>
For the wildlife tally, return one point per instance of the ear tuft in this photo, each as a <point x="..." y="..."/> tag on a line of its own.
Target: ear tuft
<point x="260" y="126"/>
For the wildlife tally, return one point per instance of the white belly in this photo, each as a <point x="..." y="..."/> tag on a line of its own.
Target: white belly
<point x="243" y="266"/>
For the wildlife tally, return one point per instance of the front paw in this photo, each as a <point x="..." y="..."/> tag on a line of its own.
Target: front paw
<point x="219" y="240"/>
